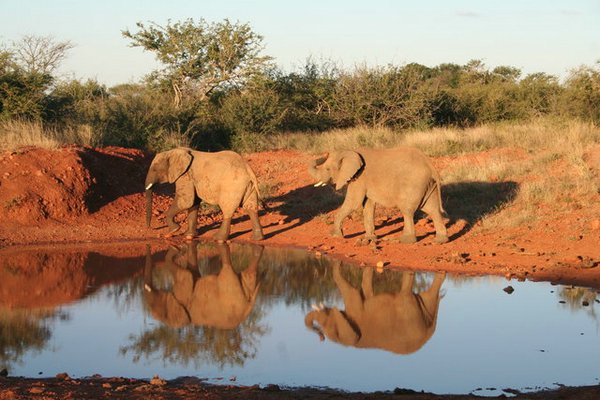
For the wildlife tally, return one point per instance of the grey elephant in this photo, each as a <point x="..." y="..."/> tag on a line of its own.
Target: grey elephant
<point x="223" y="178"/>
<point x="400" y="322"/>
<point x="401" y="177"/>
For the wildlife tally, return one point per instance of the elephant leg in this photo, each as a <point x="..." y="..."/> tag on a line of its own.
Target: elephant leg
<point x="350" y="204"/>
<point x="184" y="200"/>
<point x="368" y="219"/>
<point x="257" y="233"/>
<point x="408" y="281"/>
<point x="192" y="220"/>
<point x="408" y="233"/>
<point x="224" y="230"/>
<point x="432" y="208"/>
<point x="170" y="218"/>
<point x="367" y="283"/>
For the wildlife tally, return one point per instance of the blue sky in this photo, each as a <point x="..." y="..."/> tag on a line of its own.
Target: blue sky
<point x="549" y="36"/>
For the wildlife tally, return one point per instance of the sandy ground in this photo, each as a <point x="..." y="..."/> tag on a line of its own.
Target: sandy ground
<point x="85" y="195"/>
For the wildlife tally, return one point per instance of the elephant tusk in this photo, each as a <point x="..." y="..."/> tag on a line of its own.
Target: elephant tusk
<point x="147" y="287"/>
<point x="319" y="184"/>
<point x="149" y="186"/>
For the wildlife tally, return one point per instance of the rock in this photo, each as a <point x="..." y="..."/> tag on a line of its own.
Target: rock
<point x="4" y="372"/>
<point x="509" y="289"/>
<point x="157" y="381"/>
<point x="63" y="376"/>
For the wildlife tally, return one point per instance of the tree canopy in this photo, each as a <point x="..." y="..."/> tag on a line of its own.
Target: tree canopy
<point x="200" y="57"/>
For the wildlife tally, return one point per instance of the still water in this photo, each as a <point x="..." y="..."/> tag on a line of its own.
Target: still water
<point x="254" y="315"/>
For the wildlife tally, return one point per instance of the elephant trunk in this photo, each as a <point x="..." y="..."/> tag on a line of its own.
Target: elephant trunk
<point x="150" y="181"/>
<point x="309" y="321"/>
<point x="148" y="206"/>
<point x="316" y="174"/>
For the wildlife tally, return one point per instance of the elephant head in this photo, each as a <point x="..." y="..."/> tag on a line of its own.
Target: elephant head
<point x="166" y="167"/>
<point x="334" y="324"/>
<point x="336" y="167"/>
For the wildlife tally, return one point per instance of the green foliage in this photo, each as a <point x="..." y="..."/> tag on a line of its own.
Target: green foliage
<point x="200" y="57"/>
<point x="582" y="93"/>
<point x="216" y="90"/>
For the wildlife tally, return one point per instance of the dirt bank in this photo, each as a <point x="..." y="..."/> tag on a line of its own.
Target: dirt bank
<point x="80" y="194"/>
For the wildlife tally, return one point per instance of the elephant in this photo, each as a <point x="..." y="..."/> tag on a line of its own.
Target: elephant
<point x="222" y="178"/>
<point x="401" y="177"/>
<point x="400" y="322"/>
<point x="223" y="300"/>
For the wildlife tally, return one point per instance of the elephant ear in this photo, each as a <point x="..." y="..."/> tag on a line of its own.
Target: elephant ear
<point x="341" y="329"/>
<point x="350" y="163"/>
<point x="179" y="162"/>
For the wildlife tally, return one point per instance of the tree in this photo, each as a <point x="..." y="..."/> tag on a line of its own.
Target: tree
<point x="40" y="54"/>
<point x="26" y="75"/>
<point x="201" y="57"/>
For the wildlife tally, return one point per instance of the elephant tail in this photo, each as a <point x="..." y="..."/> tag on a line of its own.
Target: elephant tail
<point x="254" y="181"/>
<point x="438" y="185"/>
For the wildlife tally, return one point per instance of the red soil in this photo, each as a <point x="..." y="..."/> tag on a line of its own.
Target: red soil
<point x="86" y="195"/>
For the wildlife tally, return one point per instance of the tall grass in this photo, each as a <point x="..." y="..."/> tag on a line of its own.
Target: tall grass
<point x="16" y="134"/>
<point x="544" y="158"/>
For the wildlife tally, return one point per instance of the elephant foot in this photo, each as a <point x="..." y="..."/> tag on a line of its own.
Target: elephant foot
<point x="366" y="240"/>
<point x="219" y="237"/>
<point x="440" y="239"/>
<point x="190" y="236"/>
<point x="337" y="233"/>
<point x="257" y="235"/>
<point x="408" y="239"/>
<point x="172" y="232"/>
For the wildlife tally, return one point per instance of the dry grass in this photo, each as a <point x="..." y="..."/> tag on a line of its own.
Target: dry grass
<point x="16" y="134"/>
<point x="544" y="159"/>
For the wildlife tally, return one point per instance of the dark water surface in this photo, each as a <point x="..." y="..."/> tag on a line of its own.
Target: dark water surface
<point x="260" y="316"/>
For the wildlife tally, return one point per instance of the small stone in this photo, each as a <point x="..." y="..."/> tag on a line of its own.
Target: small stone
<point x="106" y="385"/>
<point x="36" y="390"/>
<point x="585" y="303"/>
<point x="63" y="376"/>
<point x="509" y="289"/>
<point x="280" y="222"/>
<point x="157" y="381"/>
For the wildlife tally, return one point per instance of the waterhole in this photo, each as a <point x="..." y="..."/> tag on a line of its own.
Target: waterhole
<point x="244" y="314"/>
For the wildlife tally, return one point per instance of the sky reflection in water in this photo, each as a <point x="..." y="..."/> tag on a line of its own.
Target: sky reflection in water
<point x="244" y="312"/>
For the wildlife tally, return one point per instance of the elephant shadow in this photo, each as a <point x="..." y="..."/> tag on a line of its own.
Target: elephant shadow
<point x="471" y="201"/>
<point x="116" y="174"/>
<point x="306" y="203"/>
<point x="178" y="294"/>
<point x="400" y="322"/>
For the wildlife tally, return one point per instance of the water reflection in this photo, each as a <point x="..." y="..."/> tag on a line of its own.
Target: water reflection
<point x="401" y="321"/>
<point x="212" y="310"/>
<point x="217" y="310"/>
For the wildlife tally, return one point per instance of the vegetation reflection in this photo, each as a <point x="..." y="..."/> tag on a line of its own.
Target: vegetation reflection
<point x="206" y="315"/>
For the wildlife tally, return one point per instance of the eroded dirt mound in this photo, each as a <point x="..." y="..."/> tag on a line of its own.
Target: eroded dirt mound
<point x="62" y="184"/>
<point x="37" y="184"/>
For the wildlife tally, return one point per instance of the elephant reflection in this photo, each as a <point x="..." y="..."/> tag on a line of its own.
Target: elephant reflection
<point x="223" y="300"/>
<point x="400" y="322"/>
